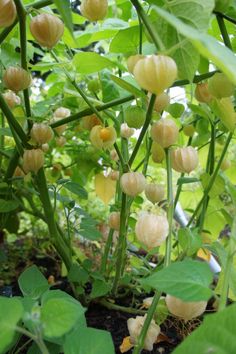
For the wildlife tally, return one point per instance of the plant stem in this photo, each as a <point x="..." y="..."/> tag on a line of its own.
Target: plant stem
<point x="196" y="79"/>
<point x="12" y="165"/>
<point x="21" y="12"/>
<point x="146" y="159"/>
<point x="223" y="31"/>
<point x="106" y="251"/>
<point x="228" y="267"/>
<point x="170" y="210"/>
<point x="144" y="129"/>
<point x="212" y="179"/>
<point x="77" y="87"/>
<point x="112" y="306"/>
<point x="121" y="247"/>
<point x="228" y="18"/>
<point x="12" y="121"/>
<point x="152" y="32"/>
<point x="150" y="313"/>
<point x="62" y="248"/>
<point x="88" y="111"/>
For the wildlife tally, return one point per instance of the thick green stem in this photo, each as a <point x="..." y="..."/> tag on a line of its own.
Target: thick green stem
<point x="144" y="129"/>
<point x="228" y="267"/>
<point x="226" y="17"/>
<point x="152" y="32"/>
<point x="138" y="348"/>
<point x="106" y="251"/>
<point x="170" y="210"/>
<point x="223" y="31"/>
<point x="121" y="248"/>
<point x="212" y="179"/>
<point x="12" y="121"/>
<point x="62" y="248"/>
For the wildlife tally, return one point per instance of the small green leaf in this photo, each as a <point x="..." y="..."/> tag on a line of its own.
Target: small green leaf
<point x="176" y="109"/>
<point x="216" y="335"/>
<point x="189" y="240"/>
<point x="89" y="341"/>
<point x="127" y="86"/>
<point x="77" y="189"/>
<point x="8" y="205"/>
<point x="11" y="311"/>
<point x="100" y="288"/>
<point x="90" y="62"/>
<point x="32" y="282"/>
<point x="188" y="280"/>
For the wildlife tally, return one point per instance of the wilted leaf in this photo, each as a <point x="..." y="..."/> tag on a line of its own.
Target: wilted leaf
<point x="126" y="345"/>
<point x="105" y="188"/>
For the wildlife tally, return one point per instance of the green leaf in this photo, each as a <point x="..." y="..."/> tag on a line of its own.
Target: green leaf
<point x="188" y="280"/>
<point x="59" y="316"/>
<point x="109" y="88"/>
<point x="90" y="62"/>
<point x="89" y="341"/>
<point x="185" y="180"/>
<point x="32" y="282"/>
<point x="76" y="188"/>
<point x="193" y="12"/>
<point x="176" y="109"/>
<point x="189" y="240"/>
<point x="64" y="9"/>
<point x="215" y="335"/>
<point x="127" y="86"/>
<point x="11" y="311"/>
<point x="126" y="41"/>
<point x="206" y="45"/>
<point x="218" y="186"/>
<point x="8" y="205"/>
<point x="100" y="288"/>
<point x="77" y="274"/>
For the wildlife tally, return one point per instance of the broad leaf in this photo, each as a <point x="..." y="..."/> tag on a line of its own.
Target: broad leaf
<point x="11" y="311"/>
<point x="195" y="13"/>
<point x="8" y="205"/>
<point x="64" y="9"/>
<point x="126" y="41"/>
<point x="89" y="341"/>
<point x="188" y="280"/>
<point x="77" y="189"/>
<point x="206" y="45"/>
<point x="32" y="282"/>
<point x="90" y="62"/>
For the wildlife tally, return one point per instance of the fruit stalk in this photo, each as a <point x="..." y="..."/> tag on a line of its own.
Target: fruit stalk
<point x="144" y="129"/>
<point x="21" y="12"/>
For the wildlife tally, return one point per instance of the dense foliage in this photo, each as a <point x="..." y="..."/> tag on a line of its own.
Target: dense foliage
<point x="117" y="156"/>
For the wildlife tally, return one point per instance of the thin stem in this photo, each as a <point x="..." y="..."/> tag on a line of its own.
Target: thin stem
<point x="212" y="179"/>
<point x="121" y="248"/>
<point x="123" y="163"/>
<point x="170" y="210"/>
<point x="228" y="18"/>
<point x="12" y="121"/>
<point x="140" y="49"/>
<point x="112" y="306"/>
<point x="196" y="79"/>
<point x="106" y="251"/>
<point x="153" y="33"/>
<point x="146" y="159"/>
<point x="58" y="242"/>
<point x="12" y="165"/>
<point x="88" y="111"/>
<point x="223" y="31"/>
<point x="144" y="129"/>
<point x="21" y="11"/>
<point x="150" y="313"/>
